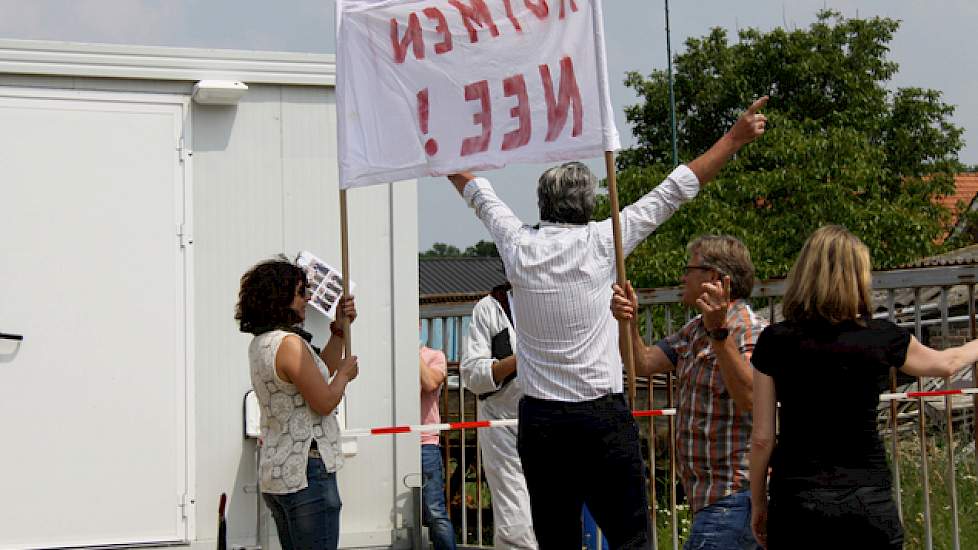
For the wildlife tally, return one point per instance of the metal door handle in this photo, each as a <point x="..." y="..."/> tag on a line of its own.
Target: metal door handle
<point x="5" y="336"/>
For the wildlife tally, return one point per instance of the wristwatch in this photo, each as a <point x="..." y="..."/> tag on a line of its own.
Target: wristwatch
<point x="719" y="334"/>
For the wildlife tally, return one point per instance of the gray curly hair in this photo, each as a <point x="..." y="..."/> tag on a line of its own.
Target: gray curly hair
<point x="566" y="193"/>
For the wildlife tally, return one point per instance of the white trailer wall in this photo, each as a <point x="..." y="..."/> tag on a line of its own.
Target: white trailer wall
<point x="264" y="181"/>
<point x="91" y="247"/>
<point x="256" y="204"/>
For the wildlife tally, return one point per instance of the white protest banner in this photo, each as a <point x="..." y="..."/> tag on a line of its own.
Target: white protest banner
<point x="433" y="87"/>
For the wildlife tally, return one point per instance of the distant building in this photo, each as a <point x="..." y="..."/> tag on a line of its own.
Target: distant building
<point x="965" y="191"/>
<point x="450" y="287"/>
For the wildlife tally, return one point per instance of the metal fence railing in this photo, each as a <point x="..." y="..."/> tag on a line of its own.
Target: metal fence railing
<point x="931" y="440"/>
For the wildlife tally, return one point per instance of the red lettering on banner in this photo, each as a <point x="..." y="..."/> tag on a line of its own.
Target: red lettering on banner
<point x="516" y="86"/>
<point x="539" y="9"/>
<point x="412" y="36"/>
<point x="430" y="146"/>
<point x="478" y="12"/>
<point x="569" y="95"/>
<point x="477" y="144"/>
<point x="445" y="45"/>
<point x="512" y="18"/>
<point x="423" y="110"/>
<point x="573" y="6"/>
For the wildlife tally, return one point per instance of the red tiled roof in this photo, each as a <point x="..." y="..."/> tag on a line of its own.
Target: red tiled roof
<point x="965" y="189"/>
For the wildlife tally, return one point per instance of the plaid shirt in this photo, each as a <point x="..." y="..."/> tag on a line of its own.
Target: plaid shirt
<point x="713" y="439"/>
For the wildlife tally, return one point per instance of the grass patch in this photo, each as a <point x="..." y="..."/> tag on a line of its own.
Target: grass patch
<point x="912" y="491"/>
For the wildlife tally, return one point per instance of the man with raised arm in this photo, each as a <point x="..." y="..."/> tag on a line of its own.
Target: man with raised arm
<point x="577" y="440"/>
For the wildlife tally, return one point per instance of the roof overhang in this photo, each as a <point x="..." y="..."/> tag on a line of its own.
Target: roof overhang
<point x="35" y="57"/>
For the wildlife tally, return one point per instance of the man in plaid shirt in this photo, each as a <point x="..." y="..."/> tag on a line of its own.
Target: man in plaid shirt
<point x="711" y="358"/>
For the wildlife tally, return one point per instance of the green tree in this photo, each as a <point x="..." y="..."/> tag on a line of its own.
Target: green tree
<point x="839" y="147"/>
<point x="441" y="250"/>
<point x="482" y="249"/>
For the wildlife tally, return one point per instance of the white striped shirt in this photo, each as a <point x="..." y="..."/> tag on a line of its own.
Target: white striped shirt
<point x="562" y="276"/>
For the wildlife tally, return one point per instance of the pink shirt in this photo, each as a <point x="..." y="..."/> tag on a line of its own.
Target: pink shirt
<point x="432" y="359"/>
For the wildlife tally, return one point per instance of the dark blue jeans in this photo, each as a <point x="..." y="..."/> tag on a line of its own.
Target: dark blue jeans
<point x="723" y="525"/>
<point x="434" y="513"/>
<point x="308" y="519"/>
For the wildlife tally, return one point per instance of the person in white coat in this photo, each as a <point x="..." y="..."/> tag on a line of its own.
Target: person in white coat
<point x="488" y="369"/>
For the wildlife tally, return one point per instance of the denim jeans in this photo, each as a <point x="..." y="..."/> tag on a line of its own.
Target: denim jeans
<point x="723" y="525"/>
<point x="308" y="519"/>
<point x="434" y="513"/>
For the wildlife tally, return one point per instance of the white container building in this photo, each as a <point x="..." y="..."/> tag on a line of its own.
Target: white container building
<point x="130" y="212"/>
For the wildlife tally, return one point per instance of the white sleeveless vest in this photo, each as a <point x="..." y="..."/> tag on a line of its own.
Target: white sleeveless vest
<point x="288" y="423"/>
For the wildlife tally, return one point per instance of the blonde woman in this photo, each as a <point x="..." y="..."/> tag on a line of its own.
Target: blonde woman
<point x="830" y="482"/>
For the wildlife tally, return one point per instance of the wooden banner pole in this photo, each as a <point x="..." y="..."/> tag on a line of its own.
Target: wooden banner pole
<point x="345" y="255"/>
<point x="624" y="334"/>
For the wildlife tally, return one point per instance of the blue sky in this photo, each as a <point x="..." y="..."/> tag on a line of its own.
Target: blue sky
<point x="934" y="47"/>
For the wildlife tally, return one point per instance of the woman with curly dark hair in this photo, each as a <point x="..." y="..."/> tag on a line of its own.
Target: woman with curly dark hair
<point x="298" y="388"/>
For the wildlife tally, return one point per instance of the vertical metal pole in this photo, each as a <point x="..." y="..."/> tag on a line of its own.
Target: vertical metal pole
<point x="653" y="504"/>
<point x="461" y="418"/>
<point x="952" y="484"/>
<point x="672" y="465"/>
<point x="972" y="334"/>
<point x="445" y="341"/>
<point x="672" y="93"/>
<point x="894" y="437"/>
<point x="478" y="447"/>
<point x="672" y="445"/>
<point x="922" y="426"/>
<point x="478" y="479"/>
<point x="447" y="435"/>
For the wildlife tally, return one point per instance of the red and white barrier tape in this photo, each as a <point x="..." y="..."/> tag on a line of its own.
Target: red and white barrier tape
<point x="428" y="428"/>
<point x="915" y="394"/>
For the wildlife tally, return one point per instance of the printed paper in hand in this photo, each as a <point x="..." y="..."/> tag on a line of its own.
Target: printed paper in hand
<point x="325" y="283"/>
